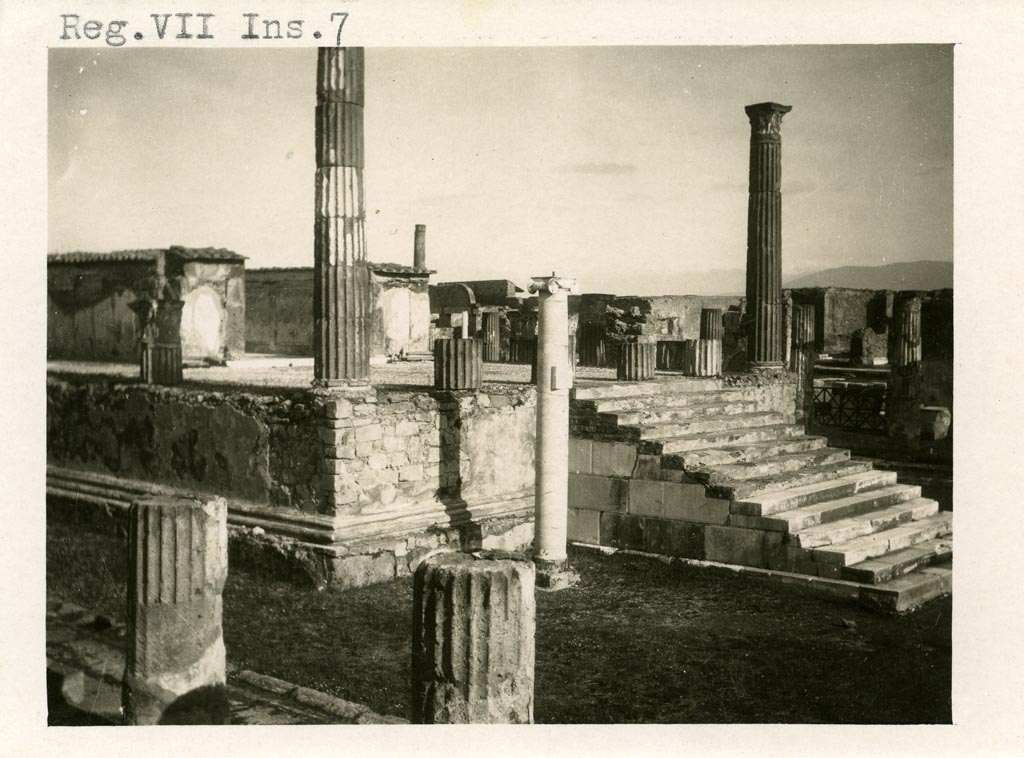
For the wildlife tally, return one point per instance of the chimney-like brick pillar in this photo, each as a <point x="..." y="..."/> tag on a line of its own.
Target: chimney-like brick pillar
<point x="177" y="565"/>
<point x="764" y="238"/>
<point x="473" y="627"/>
<point x="341" y="280"/>
<point x="419" y="247"/>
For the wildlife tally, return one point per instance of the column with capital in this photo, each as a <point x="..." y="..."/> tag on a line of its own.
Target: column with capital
<point x="764" y="238"/>
<point x="554" y="379"/>
<point x="341" y="284"/>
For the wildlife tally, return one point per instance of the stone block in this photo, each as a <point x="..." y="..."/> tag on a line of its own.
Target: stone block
<point x="365" y="449"/>
<point x="744" y="547"/>
<point x="679" y="539"/>
<point x="687" y="502"/>
<point x="368" y="433"/>
<point x="330" y="436"/>
<point x="407" y="428"/>
<point x="597" y="493"/>
<point x="584" y="526"/>
<point x="580" y="456"/>
<point x="647" y="498"/>
<point x="647" y="467"/>
<point x="361" y="570"/>
<point x="613" y="459"/>
<point x="622" y="530"/>
<point x="377" y="461"/>
<point x="412" y="473"/>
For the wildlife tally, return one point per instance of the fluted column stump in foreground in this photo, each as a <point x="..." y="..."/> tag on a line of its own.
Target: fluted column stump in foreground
<point x="341" y="279"/>
<point x="903" y="395"/>
<point x="802" y="355"/>
<point x="473" y="639"/>
<point x="764" y="238"/>
<point x="178" y="562"/>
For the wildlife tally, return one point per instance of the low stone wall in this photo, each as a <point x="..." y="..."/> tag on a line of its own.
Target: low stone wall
<point x="357" y="487"/>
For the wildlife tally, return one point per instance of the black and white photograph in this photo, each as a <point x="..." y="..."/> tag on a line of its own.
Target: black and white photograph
<point x="551" y="381"/>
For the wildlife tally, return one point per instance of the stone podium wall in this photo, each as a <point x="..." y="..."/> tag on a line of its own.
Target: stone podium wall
<point x="274" y="448"/>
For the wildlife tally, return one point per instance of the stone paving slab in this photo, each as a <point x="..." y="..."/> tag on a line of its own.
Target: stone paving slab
<point x="85" y="652"/>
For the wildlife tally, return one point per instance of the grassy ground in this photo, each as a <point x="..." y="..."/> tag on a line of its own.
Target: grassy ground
<point x="639" y="641"/>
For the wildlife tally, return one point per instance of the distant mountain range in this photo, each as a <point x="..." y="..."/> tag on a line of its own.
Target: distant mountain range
<point x="918" y="275"/>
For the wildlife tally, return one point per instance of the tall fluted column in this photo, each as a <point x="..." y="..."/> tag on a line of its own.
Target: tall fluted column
<point x="554" y="379"/>
<point x="802" y="359"/>
<point x="178" y="562"/>
<point x="473" y="628"/>
<point x="764" y="238"/>
<point x="341" y="287"/>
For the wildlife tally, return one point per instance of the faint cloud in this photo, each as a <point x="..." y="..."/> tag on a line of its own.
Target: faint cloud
<point x="597" y="168"/>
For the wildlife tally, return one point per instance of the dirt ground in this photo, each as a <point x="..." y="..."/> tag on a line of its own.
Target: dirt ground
<point x="638" y="641"/>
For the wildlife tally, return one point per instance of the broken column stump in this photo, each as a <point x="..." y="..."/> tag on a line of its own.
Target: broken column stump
<point x="178" y="562"/>
<point x="458" y="363"/>
<point x="702" y="357"/>
<point x="473" y="639"/>
<point x="161" y="347"/>
<point x="802" y="356"/>
<point x="637" y="361"/>
<point x="903" y="393"/>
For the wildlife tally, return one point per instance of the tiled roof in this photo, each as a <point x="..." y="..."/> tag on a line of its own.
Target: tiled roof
<point x="120" y="256"/>
<point x="398" y="268"/>
<point x="116" y="257"/>
<point x="205" y="254"/>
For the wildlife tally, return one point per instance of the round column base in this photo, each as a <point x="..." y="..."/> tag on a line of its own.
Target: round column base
<point x="555" y="575"/>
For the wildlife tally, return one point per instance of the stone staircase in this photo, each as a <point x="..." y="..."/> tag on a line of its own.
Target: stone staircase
<point x="718" y="470"/>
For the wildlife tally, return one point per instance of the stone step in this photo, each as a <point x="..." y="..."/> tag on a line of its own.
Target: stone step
<point x="668" y="400"/>
<point x="828" y="511"/>
<point x="857" y="549"/>
<point x="602" y="390"/>
<point x="664" y="414"/>
<point x="728" y="423"/>
<point x="845" y="529"/>
<point x="779" y="500"/>
<point x="768" y="467"/>
<point x="689" y="442"/>
<point x="907" y="592"/>
<point x="747" y="489"/>
<point x="900" y="562"/>
<point x="754" y="451"/>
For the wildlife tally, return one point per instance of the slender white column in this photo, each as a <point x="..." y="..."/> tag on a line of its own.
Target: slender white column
<point x="554" y="379"/>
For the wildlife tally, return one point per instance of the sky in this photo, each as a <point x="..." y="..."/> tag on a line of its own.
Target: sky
<point x="625" y="167"/>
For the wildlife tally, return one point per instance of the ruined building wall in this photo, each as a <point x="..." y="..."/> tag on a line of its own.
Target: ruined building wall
<point x="88" y="309"/>
<point x="213" y="317"/>
<point x="400" y="317"/>
<point x="279" y="311"/>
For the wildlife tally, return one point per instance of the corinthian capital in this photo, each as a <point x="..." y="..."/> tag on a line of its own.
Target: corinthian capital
<point x="766" y="119"/>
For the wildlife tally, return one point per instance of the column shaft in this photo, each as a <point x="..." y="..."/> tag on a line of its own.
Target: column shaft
<point x="341" y="284"/>
<point x="175" y="667"/>
<point x="764" y="237"/>
<point x="473" y="640"/>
